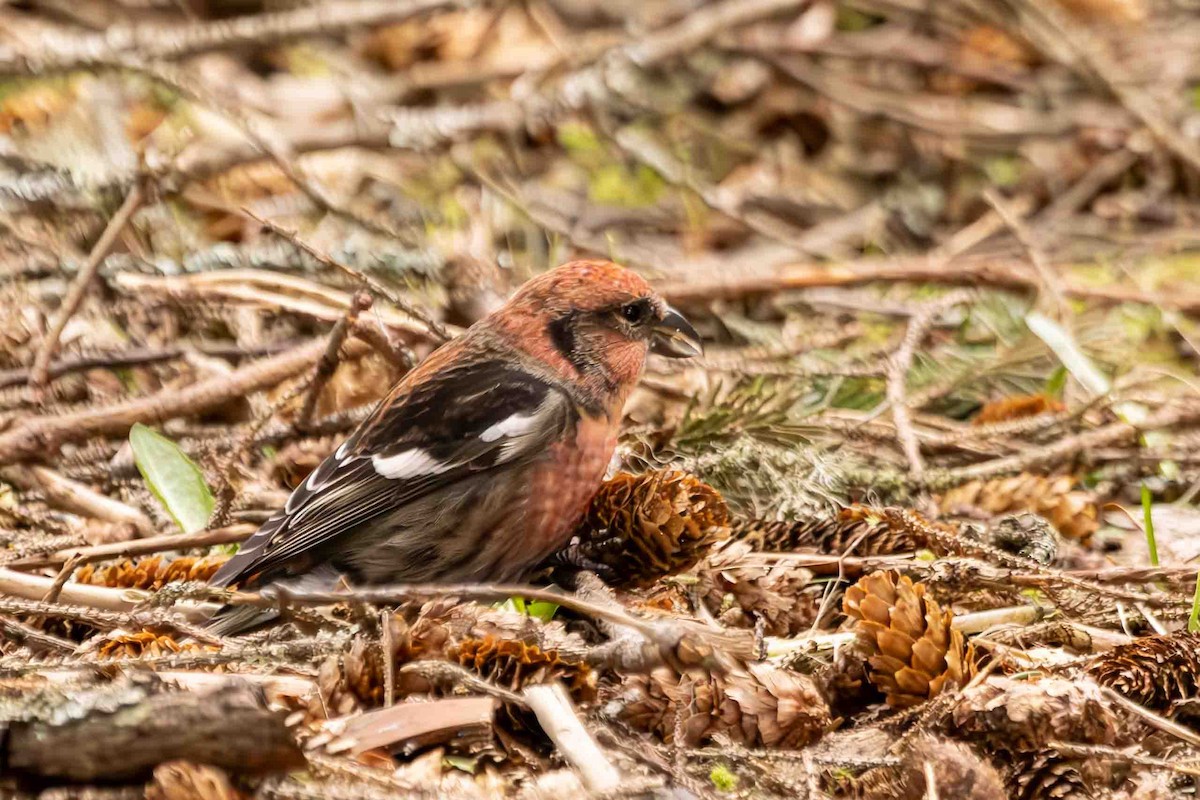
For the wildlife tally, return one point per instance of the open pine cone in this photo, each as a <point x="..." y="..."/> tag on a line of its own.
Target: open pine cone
<point x="852" y="529"/>
<point x="765" y="706"/>
<point x="514" y="664"/>
<point x="1154" y="671"/>
<point x="152" y="572"/>
<point x="914" y="652"/>
<point x="1073" y="512"/>
<point x="645" y="526"/>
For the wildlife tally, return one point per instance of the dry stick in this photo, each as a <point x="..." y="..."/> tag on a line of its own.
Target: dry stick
<point x="1000" y="273"/>
<point x="77" y="498"/>
<point x="34" y="587"/>
<point x="557" y="716"/>
<point x="329" y="359"/>
<point x="1049" y="278"/>
<point x="326" y="260"/>
<point x="139" y="547"/>
<point x="175" y="41"/>
<point x="40" y="372"/>
<point x="108" y="620"/>
<point x="897" y="375"/>
<point x="141" y="355"/>
<point x="41" y="436"/>
<point x="21" y="633"/>
<point x="1071" y="446"/>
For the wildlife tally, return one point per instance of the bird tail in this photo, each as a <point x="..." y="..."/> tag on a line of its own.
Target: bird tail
<point x="231" y="620"/>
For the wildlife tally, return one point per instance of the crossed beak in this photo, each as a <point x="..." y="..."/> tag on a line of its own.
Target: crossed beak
<point x="674" y="337"/>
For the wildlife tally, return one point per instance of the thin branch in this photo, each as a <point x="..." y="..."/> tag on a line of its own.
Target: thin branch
<point x="40" y="372"/>
<point x="139" y="547"/>
<point x="40" y="436"/>
<point x="56" y="52"/>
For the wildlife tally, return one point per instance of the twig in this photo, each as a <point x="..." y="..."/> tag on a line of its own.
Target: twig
<point x="1000" y="273"/>
<point x="40" y="436"/>
<point x="329" y="359"/>
<point x="558" y="719"/>
<point x="429" y="322"/>
<point x="73" y="496"/>
<point x="21" y="633"/>
<point x="1070" y="447"/>
<point x="139" y="547"/>
<point x="35" y="587"/>
<point x="897" y="375"/>
<point x="40" y="371"/>
<point x="1037" y="257"/>
<point x="142" y="355"/>
<point x="57" y="53"/>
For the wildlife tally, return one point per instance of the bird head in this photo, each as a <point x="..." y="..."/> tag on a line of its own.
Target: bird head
<point x="595" y="321"/>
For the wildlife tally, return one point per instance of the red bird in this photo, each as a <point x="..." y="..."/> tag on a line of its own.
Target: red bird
<point x="478" y="464"/>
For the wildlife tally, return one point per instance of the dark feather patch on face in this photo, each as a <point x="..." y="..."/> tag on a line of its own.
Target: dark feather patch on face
<point x="562" y="334"/>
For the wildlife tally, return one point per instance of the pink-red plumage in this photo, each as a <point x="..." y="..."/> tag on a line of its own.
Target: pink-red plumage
<point x="478" y="464"/>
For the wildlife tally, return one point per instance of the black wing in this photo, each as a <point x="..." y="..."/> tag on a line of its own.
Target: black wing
<point x="462" y="421"/>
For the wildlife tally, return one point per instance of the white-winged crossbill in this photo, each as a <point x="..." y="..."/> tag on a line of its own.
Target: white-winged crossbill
<point x="479" y="463"/>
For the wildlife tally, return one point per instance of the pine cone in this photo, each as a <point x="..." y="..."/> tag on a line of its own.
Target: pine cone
<point x="513" y="664"/>
<point x="915" y="653"/>
<point x="144" y="644"/>
<point x="739" y="592"/>
<point x="1073" y="512"/>
<point x="765" y="706"/>
<point x="1154" y="671"/>
<point x="851" y="530"/>
<point x="152" y="572"/>
<point x="1017" y="407"/>
<point x="186" y="780"/>
<point x="1046" y="775"/>
<point x="958" y="772"/>
<point x="643" y="527"/>
<point x="1021" y="716"/>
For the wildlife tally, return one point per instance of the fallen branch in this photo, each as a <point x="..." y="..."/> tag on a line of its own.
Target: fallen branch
<point x="140" y="547"/>
<point x="994" y="272"/>
<point x="558" y="719"/>
<point x="122" y="731"/>
<point x="58" y="53"/>
<point x="41" y="436"/>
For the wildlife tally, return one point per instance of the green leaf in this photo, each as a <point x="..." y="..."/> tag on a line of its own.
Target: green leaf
<point x="1056" y="383"/>
<point x="1147" y="506"/>
<point x="541" y="609"/>
<point x="173" y="478"/>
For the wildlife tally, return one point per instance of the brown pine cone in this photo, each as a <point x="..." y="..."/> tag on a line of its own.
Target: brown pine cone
<point x="914" y="651"/>
<point x="513" y="664"/>
<point x="144" y="644"/>
<point x="1154" y="671"/>
<point x="1073" y="512"/>
<point x="851" y="530"/>
<point x="1046" y="775"/>
<point x="958" y="772"/>
<point x="642" y="527"/>
<point x="739" y="591"/>
<point x="1024" y="716"/>
<point x="152" y="572"/>
<point x="1017" y="407"/>
<point x="764" y="706"/>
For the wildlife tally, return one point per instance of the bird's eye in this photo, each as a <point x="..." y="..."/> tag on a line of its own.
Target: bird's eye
<point x="635" y="313"/>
